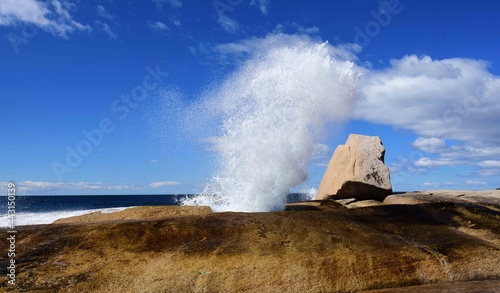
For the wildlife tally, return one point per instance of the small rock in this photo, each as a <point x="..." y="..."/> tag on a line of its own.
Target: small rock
<point x="401" y="199"/>
<point x="346" y="201"/>
<point x="364" y="203"/>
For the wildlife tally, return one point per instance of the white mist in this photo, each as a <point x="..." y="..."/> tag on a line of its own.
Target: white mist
<point x="273" y="108"/>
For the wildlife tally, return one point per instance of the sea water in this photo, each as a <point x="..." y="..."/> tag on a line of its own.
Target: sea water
<point x="33" y="210"/>
<point x="36" y="210"/>
<point x="271" y="112"/>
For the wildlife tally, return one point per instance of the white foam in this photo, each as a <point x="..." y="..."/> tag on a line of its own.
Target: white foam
<point x="309" y="193"/>
<point x="23" y="219"/>
<point x="273" y="109"/>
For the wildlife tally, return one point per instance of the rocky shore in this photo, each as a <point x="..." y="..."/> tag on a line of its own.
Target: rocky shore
<point x="443" y="238"/>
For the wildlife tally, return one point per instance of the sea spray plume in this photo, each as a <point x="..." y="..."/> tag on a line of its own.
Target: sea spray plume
<point x="273" y="108"/>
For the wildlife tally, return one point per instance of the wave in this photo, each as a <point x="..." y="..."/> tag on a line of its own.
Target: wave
<point x="40" y="218"/>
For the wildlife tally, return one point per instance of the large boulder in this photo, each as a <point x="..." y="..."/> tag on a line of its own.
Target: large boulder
<point x="357" y="169"/>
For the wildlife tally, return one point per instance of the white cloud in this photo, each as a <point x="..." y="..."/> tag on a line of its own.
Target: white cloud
<point x="489" y="164"/>
<point x="433" y="98"/>
<point x="321" y="155"/>
<point x="488" y="172"/>
<point x="42" y="187"/>
<point x="394" y="167"/>
<point x="158" y="26"/>
<point x="263" y="5"/>
<point x="439" y="100"/>
<point x="345" y="51"/>
<point x="240" y="49"/>
<point x="203" y="49"/>
<point x="308" y="30"/>
<point x="104" y="25"/>
<point x="283" y="34"/>
<point x="172" y="3"/>
<point x="153" y="161"/>
<point x="428" y="162"/>
<point x="30" y="11"/>
<point x="473" y="151"/>
<point x="429" y="144"/>
<point x="53" y="16"/>
<point x="106" y="29"/>
<point x="45" y="188"/>
<point x="176" y="22"/>
<point x="295" y="27"/>
<point x="321" y="164"/>
<point x="430" y="184"/>
<point x="473" y="182"/>
<point x="228" y="24"/>
<point x="163" y="184"/>
<point x="102" y="12"/>
<point x="320" y="150"/>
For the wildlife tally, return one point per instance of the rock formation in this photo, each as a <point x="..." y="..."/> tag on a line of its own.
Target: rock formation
<point x="138" y="213"/>
<point x="357" y="170"/>
<point x="312" y="247"/>
<point x="486" y="198"/>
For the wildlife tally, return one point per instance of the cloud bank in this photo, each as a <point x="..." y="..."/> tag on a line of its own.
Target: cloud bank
<point x="451" y="104"/>
<point x="68" y="188"/>
<point x="54" y="16"/>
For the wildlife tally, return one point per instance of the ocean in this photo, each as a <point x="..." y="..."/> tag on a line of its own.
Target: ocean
<point x="33" y="210"/>
<point x="36" y="210"/>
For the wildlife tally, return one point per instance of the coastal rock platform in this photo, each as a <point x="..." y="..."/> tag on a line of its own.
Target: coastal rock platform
<point x="317" y="246"/>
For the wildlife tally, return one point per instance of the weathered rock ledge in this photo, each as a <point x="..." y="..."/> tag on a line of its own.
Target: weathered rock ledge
<point x="138" y="213"/>
<point x="317" y="246"/>
<point x="487" y="198"/>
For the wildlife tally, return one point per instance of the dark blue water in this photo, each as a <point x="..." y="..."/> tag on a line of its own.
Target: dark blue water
<point x="32" y="210"/>
<point x="40" y="204"/>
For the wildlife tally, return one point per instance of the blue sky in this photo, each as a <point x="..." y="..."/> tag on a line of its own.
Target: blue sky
<point x="429" y="87"/>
